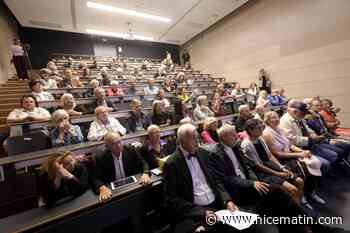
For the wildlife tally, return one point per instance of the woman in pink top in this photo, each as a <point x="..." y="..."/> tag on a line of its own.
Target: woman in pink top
<point x="210" y="135"/>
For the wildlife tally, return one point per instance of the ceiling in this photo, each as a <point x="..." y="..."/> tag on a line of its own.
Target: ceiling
<point x="188" y="17"/>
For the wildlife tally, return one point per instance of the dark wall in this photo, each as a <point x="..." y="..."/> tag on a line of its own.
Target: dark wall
<point x="45" y="42"/>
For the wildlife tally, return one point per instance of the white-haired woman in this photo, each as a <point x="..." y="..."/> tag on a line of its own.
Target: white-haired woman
<point x="64" y="133"/>
<point x="202" y="111"/>
<point x="154" y="148"/>
<point x="69" y="104"/>
<point x="263" y="99"/>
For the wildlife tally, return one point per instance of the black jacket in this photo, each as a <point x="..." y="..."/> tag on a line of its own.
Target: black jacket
<point x="69" y="187"/>
<point x="178" y="191"/>
<point x="91" y="107"/>
<point x="161" y="119"/>
<point x="222" y="169"/>
<point x="104" y="172"/>
<point x="146" y="121"/>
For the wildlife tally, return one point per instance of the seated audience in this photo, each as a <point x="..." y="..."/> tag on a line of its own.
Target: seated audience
<point x="316" y="122"/>
<point x="259" y="112"/>
<point x="101" y="100"/>
<point x="218" y="105"/>
<point x="47" y="80"/>
<point x="75" y="82"/>
<point x="181" y="111"/>
<point x="330" y="116"/>
<point x="106" y="78"/>
<point x="67" y="78"/>
<point x="266" y="166"/>
<point x="243" y="116"/>
<point x="84" y="69"/>
<point x="69" y="105"/>
<point x="37" y="91"/>
<point x="161" y="97"/>
<point x="63" y="132"/>
<point x="263" y="99"/>
<point x="52" y="66"/>
<point x="116" y="162"/>
<point x="62" y="176"/>
<point x="94" y="83"/>
<point x="283" y="96"/>
<point x="119" y="72"/>
<point x="190" y="192"/>
<point x="233" y="171"/>
<point x="70" y="63"/>
<point x="202" y="111"/>
<point x="154" y="148"/>
<point x="145" y="65"/>
<point x="29" y="111"/>
<point x="115" y="90"/>
<point x="252" y="93"/>
<point x="151" y="89"/>
<point x="210" y="134"/>
<point x="239" y="96"/>
<point x="162" y="70"/>
<point x="94" y="64"/>
<point x="131" y="87"/>
<point x="290" y="155"/>
<point x="168" y="86"/>
<point x="160" y="116"/>
<point x="138" y="120"/>
<point x="184" y="96"/>
<point x="104" y="124"/>
<point x="299" y="134"/>
<point x="275" y="99"/>
<point x="181" y="78"/>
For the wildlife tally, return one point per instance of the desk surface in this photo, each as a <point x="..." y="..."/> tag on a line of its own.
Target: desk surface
<point x="90" y="145"/>
<point x="39" y="217"/>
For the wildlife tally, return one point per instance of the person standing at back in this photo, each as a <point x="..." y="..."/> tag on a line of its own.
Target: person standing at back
<point x="18" y="59"/>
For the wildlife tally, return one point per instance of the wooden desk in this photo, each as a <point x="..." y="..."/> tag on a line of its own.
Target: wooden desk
<point x="85" y="214"/>
<point x="37" y="157"/>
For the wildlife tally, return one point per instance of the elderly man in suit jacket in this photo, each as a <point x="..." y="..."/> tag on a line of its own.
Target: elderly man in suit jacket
<point x="117" y="162"/>
<point x="234" y="172"/>
<point x="191" y="195"/>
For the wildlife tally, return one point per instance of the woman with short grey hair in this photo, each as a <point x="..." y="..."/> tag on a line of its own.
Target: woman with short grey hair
<point x="202" y="111"/>
<point x="64" y="133"/>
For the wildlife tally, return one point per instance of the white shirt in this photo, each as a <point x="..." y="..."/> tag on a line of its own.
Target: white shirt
<point x="98" y="130"/>
<point x="17" y="50"/>
<point x="238" y="94"/>
<point x="202" y="113"/>
<point x="49" y="84"/>
<point x="20" y="113"/>
<point x="203" y="195"/>
<point x="119" y="167"/>
<point x="165" y="103"/>
<point x="293" y="130"/>
<point x="43" y="96"/>
<point x="235" y="162"/>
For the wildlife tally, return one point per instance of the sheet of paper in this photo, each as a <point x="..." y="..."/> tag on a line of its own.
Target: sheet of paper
<point x="238" y="219"/>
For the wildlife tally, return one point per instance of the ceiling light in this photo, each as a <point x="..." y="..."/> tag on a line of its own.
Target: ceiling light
<point x="126" y="12"/>
<point x="118" y="35"/>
